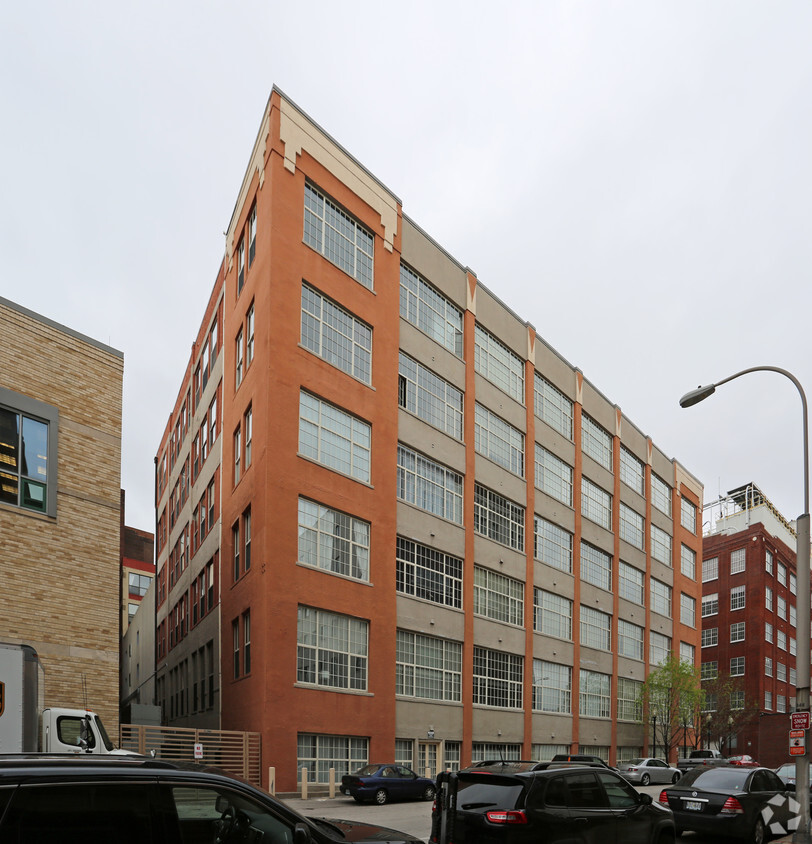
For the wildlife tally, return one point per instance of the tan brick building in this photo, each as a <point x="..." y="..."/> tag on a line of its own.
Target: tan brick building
<point x="60" y="478"/>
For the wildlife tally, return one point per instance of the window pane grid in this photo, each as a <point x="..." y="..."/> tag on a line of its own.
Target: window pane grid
<point x="594" y="694"/>
<point x="596" y="629"/>
<point x="632" y="526"/>
<point x="552" y="406"/>
<point x="498" y="441"/>
<point x="631" y="584"/>
<point x="632" y="471"/>
<point x="334" y="438"/>
<point x="552" y="614"/>
<point x="336" y="335"/>
<point x="432" y="313"/>
<point x="498" y="597"/>
<point x="552" y="687"/>
<point x="430" y="397"/>
<point x="427" y="573"/>
<point x="333" y="233"/>
<point x="596" y="442"/>
<point x="660" y="494"/>
<point x="629" y="639"/>
<point x="553" y="545"/>
<point x="428" y="667"/>
<point x="596" y="566"/>
<point x="332" y="649"/>
<point x="498" y="364"/>
<point x="333" y="541"/>
<point x="429" y="485"/>
<point x="553" y="475"/>
<point x="596" y="504"/>
<point x="497" y="678"/>
<point x="498" y="518"/>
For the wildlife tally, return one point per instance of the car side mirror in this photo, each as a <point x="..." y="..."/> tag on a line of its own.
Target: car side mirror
<point x="301" y="834"/>
<point x="645" y="799"/>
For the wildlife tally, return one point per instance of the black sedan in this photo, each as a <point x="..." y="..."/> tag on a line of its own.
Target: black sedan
<point x="384" y="782"/>
<point x="746" y="803"/>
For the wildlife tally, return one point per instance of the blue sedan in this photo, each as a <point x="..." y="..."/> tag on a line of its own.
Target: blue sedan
<point x="384" y="782"/>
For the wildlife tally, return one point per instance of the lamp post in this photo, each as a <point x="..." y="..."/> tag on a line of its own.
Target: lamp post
<point x="708" y="724"/>
<point x="654" y="734"/>
<point x="801" y="835"/>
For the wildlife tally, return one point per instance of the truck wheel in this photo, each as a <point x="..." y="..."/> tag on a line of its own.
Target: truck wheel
<point x="645" y="779"/>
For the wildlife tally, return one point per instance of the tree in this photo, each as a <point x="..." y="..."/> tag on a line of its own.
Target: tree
<point x="672" y="698"/>
<point x="726" y="710"/>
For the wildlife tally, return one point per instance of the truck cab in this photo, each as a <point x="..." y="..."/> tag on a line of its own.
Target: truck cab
<point x="73" y="731"/>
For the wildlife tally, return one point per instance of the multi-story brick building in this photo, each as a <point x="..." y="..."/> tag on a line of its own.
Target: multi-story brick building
<point x="749" y="621"/>
<point x="60" y="477"/>
<point x="137" y="568"/>
<point x="425" y="535"/>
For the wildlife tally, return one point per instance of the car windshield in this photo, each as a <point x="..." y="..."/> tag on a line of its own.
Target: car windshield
<point x="719" y="778"/>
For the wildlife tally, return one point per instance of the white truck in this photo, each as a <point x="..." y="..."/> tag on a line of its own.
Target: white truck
<point x="27" y="727"/>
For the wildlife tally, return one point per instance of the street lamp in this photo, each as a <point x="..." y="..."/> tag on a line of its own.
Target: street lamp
<point x="708" y="724"/>
<point x="654" y="734"/>
<point x="801" y="835"/>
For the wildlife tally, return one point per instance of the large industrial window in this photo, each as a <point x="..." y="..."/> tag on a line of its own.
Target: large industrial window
<point x="337" y="236"/>
<point x="333" y="333"/>
<point x="553" y="475"/>
<point x="498" y="678"/>
<point x="334" y="438"/>
<point x="429" y="397"/>
<point x="332" y="649"/>
<point x="497" y="596"/>
<point x="498" y="364"/>
<point x="429" y="485"/>
<point x="333" y="541"/>
<point x="429" y="574"/>
<point x="498" y="440"/>
<point x="552" y="406"/>
<point x="430" y="311"/>
<point x="428" y="667"/>
<point x="498" y="518"/>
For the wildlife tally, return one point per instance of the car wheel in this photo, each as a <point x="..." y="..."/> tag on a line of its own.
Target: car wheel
<point x="675" y="778"/>
<point x="381" y="796"/>
<point x="645" y="779"/>
<point x="758" y="832"/>
<point x="428" y="792"/>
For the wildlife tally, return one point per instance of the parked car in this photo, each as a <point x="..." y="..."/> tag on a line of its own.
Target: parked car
<point x="516" y="804"/>
<point x="648" y="770"/>
<point x="384" y="782"/>
<point x="700" y="759"/>
<point x="725" y="801"/>
<point x="786" y="773"/>
<point x="581" y="757"/>
<point x="743" y="761"/>
<point x="89" y="799"/>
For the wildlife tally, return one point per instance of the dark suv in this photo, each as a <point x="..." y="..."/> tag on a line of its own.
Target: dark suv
<point x="519" y="804"/>
<point x="90" y="799"/>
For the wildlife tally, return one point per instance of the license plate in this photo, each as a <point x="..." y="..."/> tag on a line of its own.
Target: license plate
<point x="693" y="805"/>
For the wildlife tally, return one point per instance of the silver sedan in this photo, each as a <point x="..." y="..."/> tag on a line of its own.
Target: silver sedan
<point x="647" y="771"/>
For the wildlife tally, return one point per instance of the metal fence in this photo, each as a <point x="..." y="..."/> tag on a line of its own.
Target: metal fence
<point x="236" y="752"/>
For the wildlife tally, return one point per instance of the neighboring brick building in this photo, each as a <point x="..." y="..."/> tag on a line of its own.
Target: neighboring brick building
<point x="60" y="480"/>
<point x="410" y="516"/>
<point x="749" y="629"/>
<point x="137" y="568"/>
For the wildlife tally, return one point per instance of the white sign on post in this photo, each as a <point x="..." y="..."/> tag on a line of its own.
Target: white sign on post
<point x="198" y="751"/>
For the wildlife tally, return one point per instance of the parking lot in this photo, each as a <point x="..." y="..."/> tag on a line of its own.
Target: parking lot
<point x="415" y="816"/>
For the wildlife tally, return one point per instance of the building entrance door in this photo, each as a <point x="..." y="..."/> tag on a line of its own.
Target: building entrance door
<point x="427" y="759"/>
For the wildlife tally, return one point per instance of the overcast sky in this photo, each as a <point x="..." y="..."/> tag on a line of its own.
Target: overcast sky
<point x="633" y="178"/>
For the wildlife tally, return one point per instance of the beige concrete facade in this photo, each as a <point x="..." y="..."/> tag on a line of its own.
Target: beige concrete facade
<point x="60" y="567"/>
